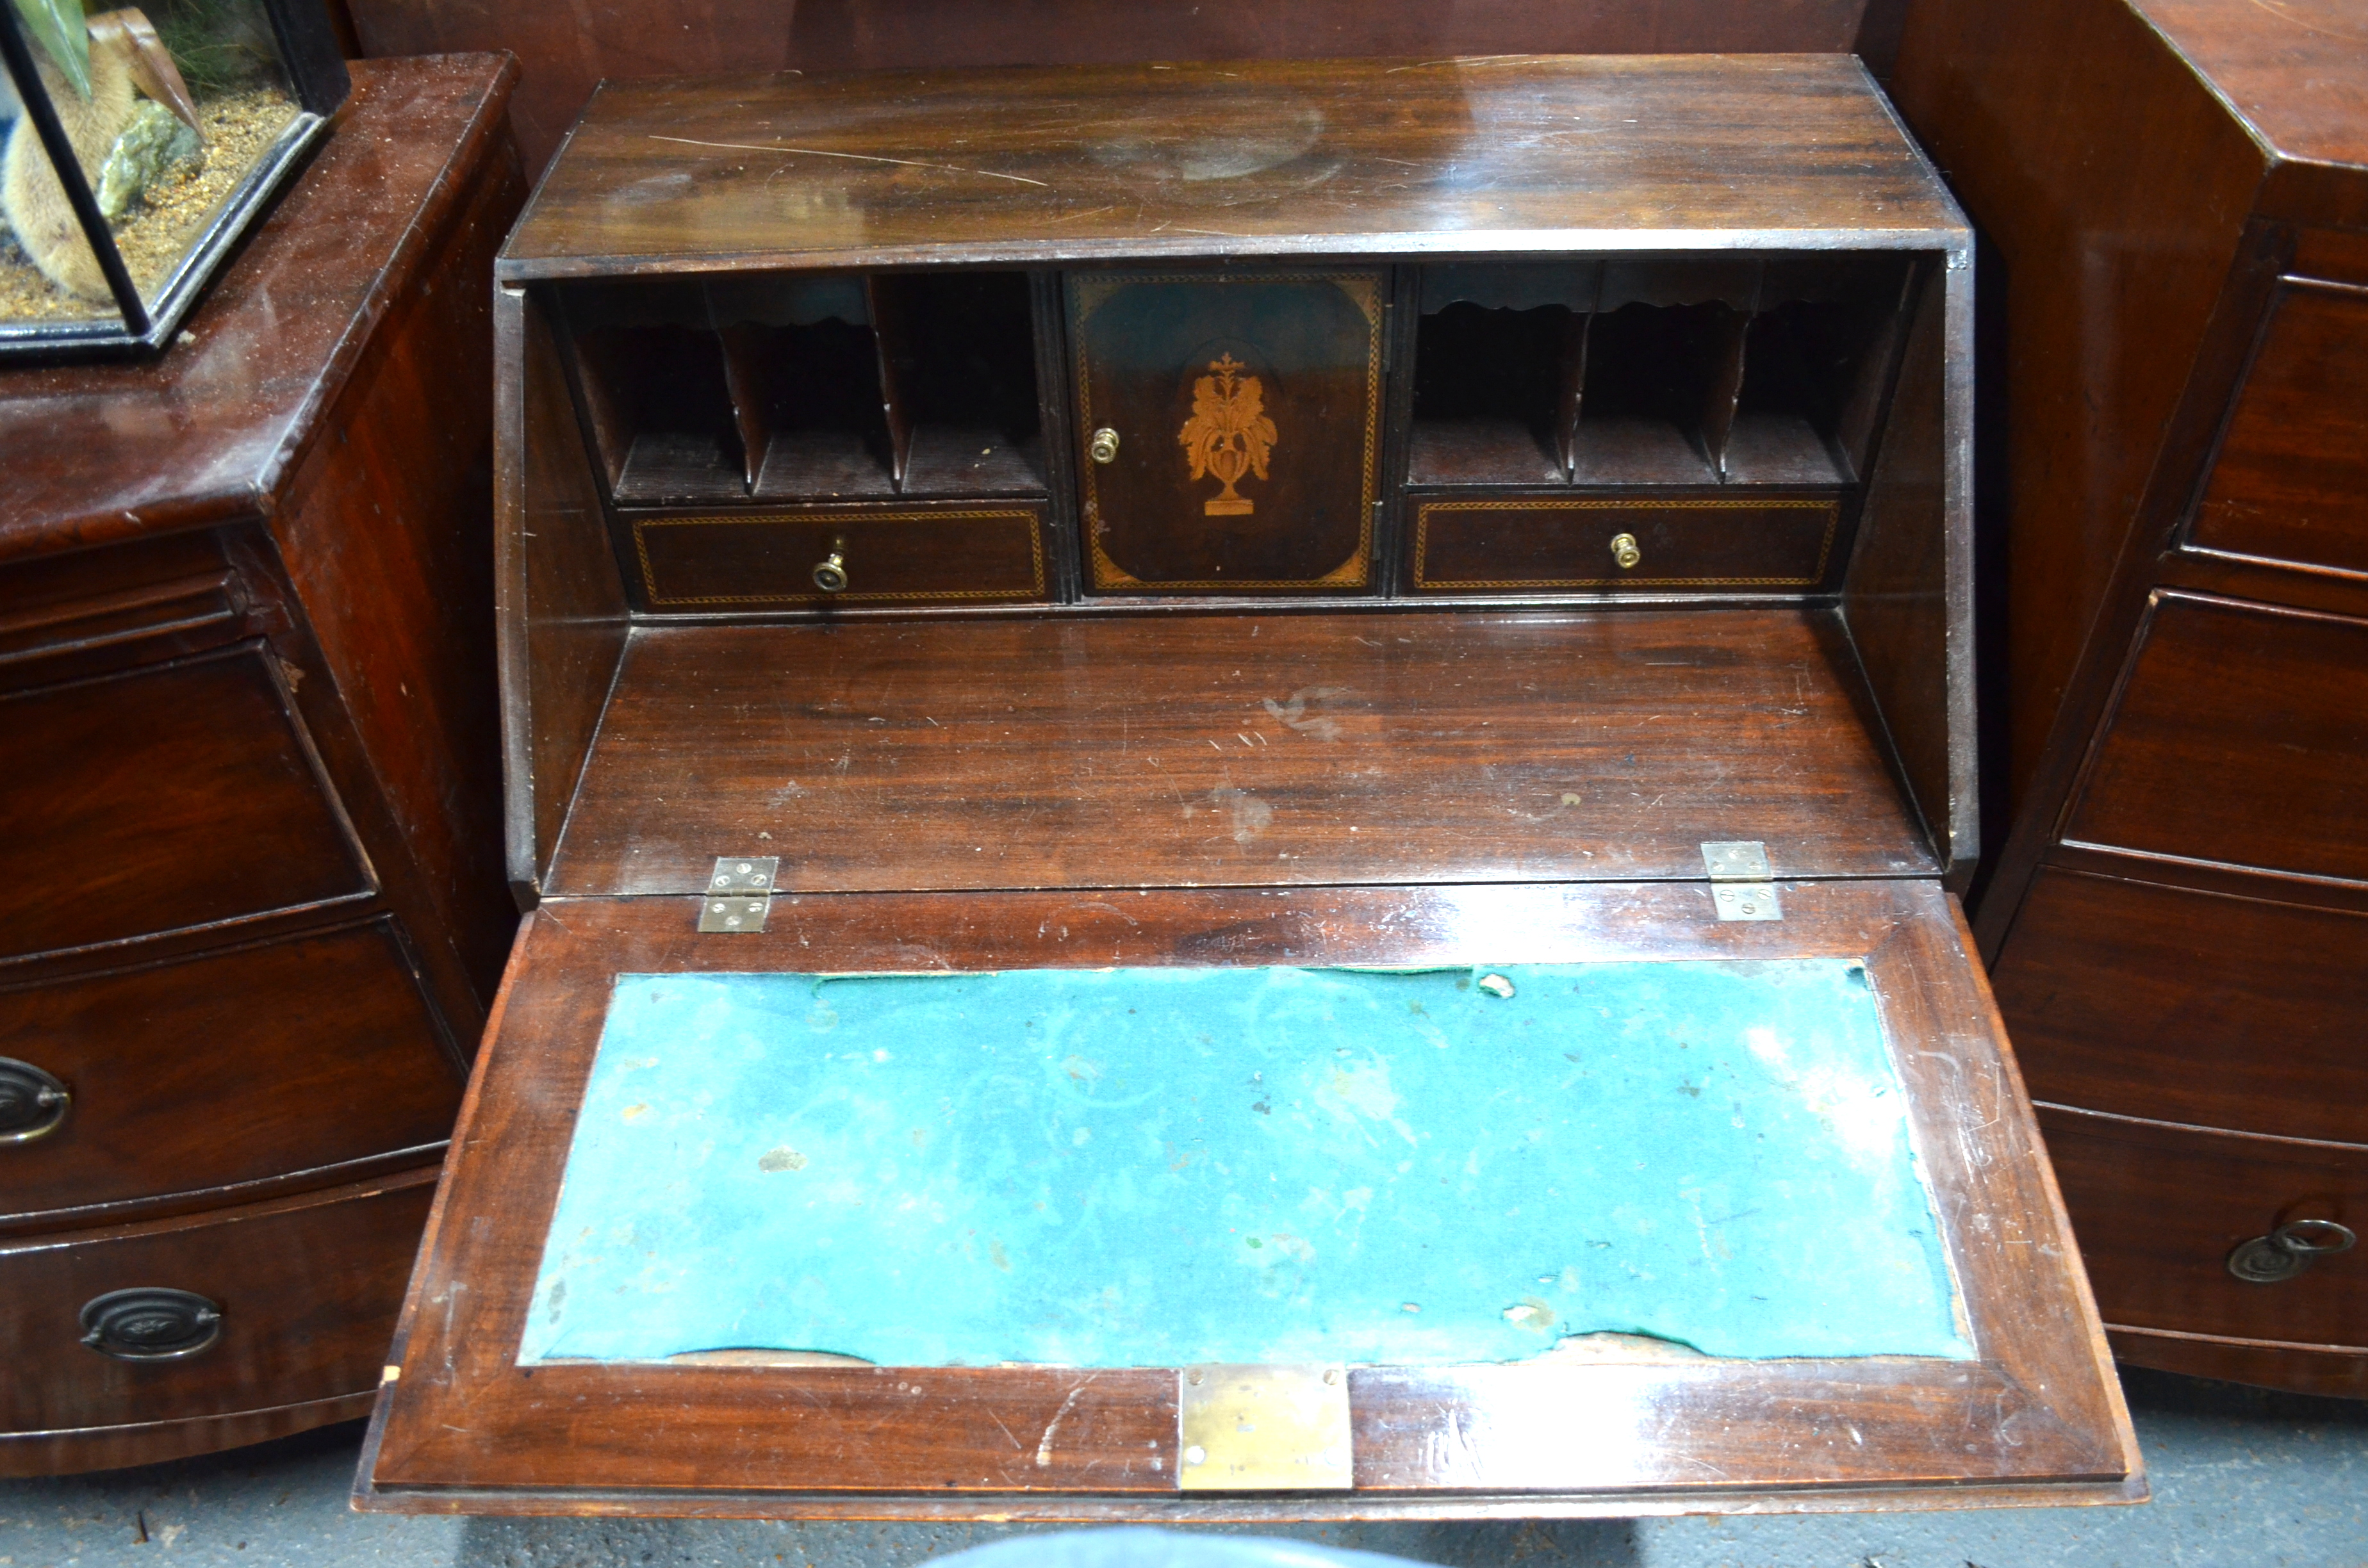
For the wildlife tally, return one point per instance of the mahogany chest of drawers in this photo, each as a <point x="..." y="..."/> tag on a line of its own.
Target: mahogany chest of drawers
<point x="2179" y="920"/>
<point x="1146" y="531"/>
<point x="251" y="908"/>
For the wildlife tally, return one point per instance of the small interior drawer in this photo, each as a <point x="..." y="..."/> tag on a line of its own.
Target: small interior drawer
<point x="2196" y="1007"/>
<point x="305" y="1291"/>
<point x="974" y="552"/>
<point x="235" y="1067"/>
<point x="2158" y="1210"/>
<point x="1564" y="543"/>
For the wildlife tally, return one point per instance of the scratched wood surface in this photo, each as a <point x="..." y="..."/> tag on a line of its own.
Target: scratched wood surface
<point x="1233" y="750"/>
<point x="1242" y="159"/>
<point x="468" y="1428"/>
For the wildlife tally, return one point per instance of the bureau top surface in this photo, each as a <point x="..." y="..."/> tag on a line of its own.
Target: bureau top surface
<point x="1501" y="154"/>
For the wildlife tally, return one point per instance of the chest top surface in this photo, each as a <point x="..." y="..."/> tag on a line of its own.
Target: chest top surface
<point x="1501" y="154"/>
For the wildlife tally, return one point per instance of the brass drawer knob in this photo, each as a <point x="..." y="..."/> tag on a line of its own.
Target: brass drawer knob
<point x="32" y="1103"/>
<point x="149" y="1324"/>
<point x="2288" y="1250"/>
<point x="1624" y="550"/>
<point x="830" y="574"/>
<point x="1104" y="449"/>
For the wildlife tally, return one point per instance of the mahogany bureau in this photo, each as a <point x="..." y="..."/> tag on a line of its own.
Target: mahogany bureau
<point x="2178" y="925"/>
<point x="251" y="906"/>
<point x="1109" y="670"/>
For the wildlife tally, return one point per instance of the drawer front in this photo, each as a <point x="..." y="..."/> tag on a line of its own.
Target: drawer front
<point x="1229" y="430"/>
<point x="2290" y="481"/>
<point x="972" y="554"/>
<point x="1574" y="544"/>
<point x="2158" y="1211"/>
<point x="235" y="1067"/>
<point x="306" y="1292"/>
<point x="66" y="617"/>
<point x="164" y="798"/>
<point x="2240" y="737"/>
<point x="2187" y="1007"/>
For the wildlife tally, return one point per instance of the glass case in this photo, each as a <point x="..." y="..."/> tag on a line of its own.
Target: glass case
<point x="135" y="144"/>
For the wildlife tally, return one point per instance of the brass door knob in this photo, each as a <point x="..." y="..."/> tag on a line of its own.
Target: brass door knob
<point x="1104" y="449"/>
<point x="830" y="574"/>
<point x="1624" y="550"/>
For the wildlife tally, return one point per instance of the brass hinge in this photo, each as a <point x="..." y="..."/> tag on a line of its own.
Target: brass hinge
<point x="1262" y="1428"/>
<point x="739" y="894"/>
<point x="1741" y="887"/>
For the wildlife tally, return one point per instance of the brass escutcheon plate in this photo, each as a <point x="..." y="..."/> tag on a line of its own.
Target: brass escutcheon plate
<point x="1264" y="1428"/>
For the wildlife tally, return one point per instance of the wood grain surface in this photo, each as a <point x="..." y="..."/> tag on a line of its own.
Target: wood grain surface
<point x="2240" y="737"/>
<point x="2189" y="1007"/>
<point x="1236" y="750"/>
<point x="466" y="1424"/>
<point x="1440" y="156"/>
<point x="567" y="48"/>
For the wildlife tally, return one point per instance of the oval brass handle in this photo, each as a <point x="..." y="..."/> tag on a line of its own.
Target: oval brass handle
<point x="32" y="1103"/>
<point x="830" y="575"/>
<point x="1104" y="449"/>
<point x="2288" y="1250"/>
<point x="1624" y="550"/>
<point x="150" y="1323"/>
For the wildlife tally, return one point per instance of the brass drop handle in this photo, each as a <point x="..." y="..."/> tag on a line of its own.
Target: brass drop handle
<point x="2288" y="1250"/>
<point x="32" y="1103"/>
<point x="830" y="574"/>
<point x="1624" y="550"/>
<point x="151" y="1324"/>
<point x="1104" y="448"/>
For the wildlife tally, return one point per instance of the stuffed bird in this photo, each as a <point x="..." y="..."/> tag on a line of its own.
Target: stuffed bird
<point x="126" y="59"/>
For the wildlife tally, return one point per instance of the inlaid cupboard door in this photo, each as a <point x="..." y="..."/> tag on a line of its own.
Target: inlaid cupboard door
<point x="1228" y="429"/>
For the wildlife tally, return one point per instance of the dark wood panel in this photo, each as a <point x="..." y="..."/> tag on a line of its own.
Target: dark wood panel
<point x="980" y="552"/>
<point x="1127" y="751"/>
<point x="97" y="453"/>
<point x="2301" y="1369"/>
<point x="2114" y="186"/>
<point x="2240" y="737"/>
<point x="689" y="1438"/>
<point x="307" y="1289"/>
<point x="1908" y="595"/>
<point x="2190" y="1006"/>
<point x="386" y="533"/>
<point x="153" y="1442"/>
<point x="1202" y="160"/>
<point x="2294" y="69"/>
<point x="1564" y="543"/>
<point x="1242" y="417"/>
<point x="77" y="615"/>
<point x="559" y="600"/>
<point x="568" y="49"/>
<point x="2290" y="481"/>
<point x="2159" y="1207"/>
<point x="233" y="1068"/>
<point x="165" y="798"/>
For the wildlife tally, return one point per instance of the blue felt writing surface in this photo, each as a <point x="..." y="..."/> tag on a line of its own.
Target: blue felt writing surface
<point x="1162" y="1166"/>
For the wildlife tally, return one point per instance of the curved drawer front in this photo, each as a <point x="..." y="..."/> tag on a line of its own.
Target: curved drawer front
<point x="1566" y="543"/>
<point x="304" y="1293"/>
<point x="162" y="799"/>
<point x="2240" y="738"/>
<point x="235" y="1067"/>
<point x="2159" y="1210"/>
<point x="2187" y="1007"/>
<point x="2290" y="481"/>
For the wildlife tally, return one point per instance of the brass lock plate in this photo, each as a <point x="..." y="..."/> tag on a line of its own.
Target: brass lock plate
<point x="1263" y="1429"/>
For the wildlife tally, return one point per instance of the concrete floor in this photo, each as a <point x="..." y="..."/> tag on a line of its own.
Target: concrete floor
<point x="2242" y="1479"/>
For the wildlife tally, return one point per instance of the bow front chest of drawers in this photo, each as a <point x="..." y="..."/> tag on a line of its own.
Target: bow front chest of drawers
<point x="250" y="908"/>
<point x="1240" y="788"/>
